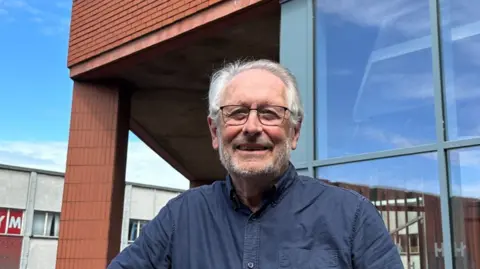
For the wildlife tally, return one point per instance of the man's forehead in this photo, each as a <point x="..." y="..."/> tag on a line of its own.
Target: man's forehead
<point x="255" y="84"/>
<point x="256" y="77"/>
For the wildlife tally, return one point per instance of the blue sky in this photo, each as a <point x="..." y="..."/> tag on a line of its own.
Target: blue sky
<point x="36" y="92"/>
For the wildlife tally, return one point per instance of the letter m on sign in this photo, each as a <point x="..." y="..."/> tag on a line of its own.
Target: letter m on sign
<point x="15" y="222"/>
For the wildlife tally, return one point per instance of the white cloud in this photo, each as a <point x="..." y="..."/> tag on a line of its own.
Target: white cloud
<point x="49" y="22"/>
<point x="396" y="140"/>
<point x="64" y="5"/>
<point x="23" y="5"/>
<point x="143" y="165"/>
<point x="409" y="17"/>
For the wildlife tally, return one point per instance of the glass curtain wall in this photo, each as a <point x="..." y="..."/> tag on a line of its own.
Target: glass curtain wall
<point x="397" y="118"/>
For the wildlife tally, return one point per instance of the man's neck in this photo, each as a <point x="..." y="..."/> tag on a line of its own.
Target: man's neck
<point x="250" y="190"/>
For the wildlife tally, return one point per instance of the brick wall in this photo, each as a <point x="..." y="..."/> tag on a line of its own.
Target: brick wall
<point x="101" y="25"/>
<point x="92" y="205"/>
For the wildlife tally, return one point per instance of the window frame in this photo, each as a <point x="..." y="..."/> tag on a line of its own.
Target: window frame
<point x="45" y="224"/>
<point x="138" y="229"/>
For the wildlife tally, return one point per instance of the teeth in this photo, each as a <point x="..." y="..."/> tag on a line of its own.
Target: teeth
<point x="251" y="149"/>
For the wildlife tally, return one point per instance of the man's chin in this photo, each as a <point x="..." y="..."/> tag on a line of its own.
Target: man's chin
<point x="253" y="168"/>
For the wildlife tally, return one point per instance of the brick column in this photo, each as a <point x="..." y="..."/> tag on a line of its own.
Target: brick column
<point x="91" y="218"/>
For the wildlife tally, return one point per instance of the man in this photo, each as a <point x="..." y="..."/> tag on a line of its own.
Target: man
<point x="263" y="215"/>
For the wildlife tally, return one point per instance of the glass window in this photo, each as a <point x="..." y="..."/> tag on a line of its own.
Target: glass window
<point x="46" y="224"/>
<point x="406" y="193"/>
<point x="464" y="172"/>
<point x="135" y="228"/>
<point x="38" y="223"/>
<point x="374" y="82"/>
<point x="461" y="58"/>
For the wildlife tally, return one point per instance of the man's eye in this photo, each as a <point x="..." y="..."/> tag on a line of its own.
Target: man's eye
<point x="238" y="113"/>
<point x="269" y="113"/>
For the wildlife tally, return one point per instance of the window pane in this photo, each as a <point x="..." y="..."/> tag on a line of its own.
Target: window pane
<point x="406" y="193"/>
<point x="142" y="224"/>
<point x="132" y="230"/>
<point x="374" y="83"/>
<point x="38" y="223"/>
<point x="464" y="170"/>
<point x="461" y="57"/>
<point x="50" y="224"/>
<point x="57" y="225"/>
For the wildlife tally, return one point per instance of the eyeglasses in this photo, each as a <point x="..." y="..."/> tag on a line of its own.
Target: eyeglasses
<point x="268" y="115"/>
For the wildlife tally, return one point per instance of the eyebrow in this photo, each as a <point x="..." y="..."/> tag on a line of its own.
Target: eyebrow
<point x="267" y="103"/>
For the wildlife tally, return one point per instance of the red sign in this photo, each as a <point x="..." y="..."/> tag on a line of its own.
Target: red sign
<point x="11" y="221"/>
<point x="3" y="220"/>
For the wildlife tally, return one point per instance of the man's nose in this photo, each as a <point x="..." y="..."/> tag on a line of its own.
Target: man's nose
<point x="253" y="125"/>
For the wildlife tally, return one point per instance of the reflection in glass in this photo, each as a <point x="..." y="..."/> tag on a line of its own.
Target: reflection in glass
<point x="53" y="223"/>
<point x="38" y="223"/>
<point x="135" y="228"/>
<point x="461" y="58"/>
<point x="406" y="193"/>
<point x="132" y="230"/>
<point x="374" y="83"/>
<point x="464" y="172"/>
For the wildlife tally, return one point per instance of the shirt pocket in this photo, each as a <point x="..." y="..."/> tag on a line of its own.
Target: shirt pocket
<point x="299" y="258"/>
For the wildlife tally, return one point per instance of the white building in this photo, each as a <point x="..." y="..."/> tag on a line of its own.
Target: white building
<point x="30" y="208"/>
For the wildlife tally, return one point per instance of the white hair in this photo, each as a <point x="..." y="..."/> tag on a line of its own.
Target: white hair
<point x="222" y="77"/>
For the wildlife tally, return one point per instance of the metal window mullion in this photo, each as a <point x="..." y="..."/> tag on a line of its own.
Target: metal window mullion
<point x="138" y="230"/>
<point x="310" y="105"/>
<point x="45" y="224"/>
<point x="438" y="83"/>
<point x="461" y="143"/>
<point x="7" y="221"/>
<point x="445" y="208"/>
<point x="377" y="155"/>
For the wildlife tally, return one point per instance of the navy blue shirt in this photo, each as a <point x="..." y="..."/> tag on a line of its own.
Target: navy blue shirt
<point x="304" y="223"/>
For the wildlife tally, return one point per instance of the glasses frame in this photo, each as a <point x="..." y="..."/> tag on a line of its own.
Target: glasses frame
<point x="224" y="115"/>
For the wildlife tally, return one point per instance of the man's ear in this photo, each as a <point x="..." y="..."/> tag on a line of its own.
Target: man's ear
<point x="212" y="125"/>
<point x="296" y="134"/>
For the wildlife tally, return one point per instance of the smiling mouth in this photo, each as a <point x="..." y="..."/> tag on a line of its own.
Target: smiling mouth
<point x="252" y="148"/>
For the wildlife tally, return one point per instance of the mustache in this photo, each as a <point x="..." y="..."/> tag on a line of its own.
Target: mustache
<point x="256" y="140"/>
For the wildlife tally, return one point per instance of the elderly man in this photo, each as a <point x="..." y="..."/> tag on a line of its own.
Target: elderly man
<point x="264" y="215"/>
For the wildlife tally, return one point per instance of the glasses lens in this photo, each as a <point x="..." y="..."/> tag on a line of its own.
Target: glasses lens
<point x="235" y="115"/>
<point x="271" y="115"/>
<point x="268" y="115"/>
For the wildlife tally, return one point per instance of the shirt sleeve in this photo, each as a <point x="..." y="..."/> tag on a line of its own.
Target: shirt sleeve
<point x="372" y="246"/>
<point x="152" y="249"/>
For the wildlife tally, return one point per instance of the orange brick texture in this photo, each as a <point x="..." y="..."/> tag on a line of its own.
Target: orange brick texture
<point x="91" y="219"/>
<point x="99" y="26"/>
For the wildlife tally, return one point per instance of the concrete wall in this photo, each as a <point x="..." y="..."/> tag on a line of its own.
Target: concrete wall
<point x="13" y="188"/>
<point x="146" y="202"/>
<point x="142" y="203"/>
<point x="48" y="196"/>
<point x="43" y="254"/>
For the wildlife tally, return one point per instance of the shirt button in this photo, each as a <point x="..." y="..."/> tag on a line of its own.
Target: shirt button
<point x="250" y="265"/>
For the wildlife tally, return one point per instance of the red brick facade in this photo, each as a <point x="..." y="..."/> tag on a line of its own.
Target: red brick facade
<point x="91" y="217"/>
<point x="99" y="26"/>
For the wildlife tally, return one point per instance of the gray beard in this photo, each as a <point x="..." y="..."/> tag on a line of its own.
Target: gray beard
<point x="273" y="169"/>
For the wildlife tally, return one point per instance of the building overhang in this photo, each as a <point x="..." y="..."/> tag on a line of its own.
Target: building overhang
<point x="168" y="72"/>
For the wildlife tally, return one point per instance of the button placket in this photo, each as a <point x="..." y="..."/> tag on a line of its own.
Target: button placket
<point x="251" y="243"/>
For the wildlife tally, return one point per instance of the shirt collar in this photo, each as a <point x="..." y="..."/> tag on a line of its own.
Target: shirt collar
<point x="274" y="195"/>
